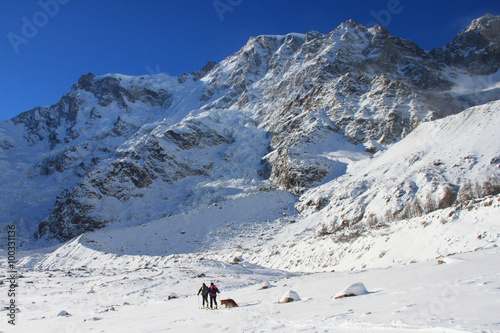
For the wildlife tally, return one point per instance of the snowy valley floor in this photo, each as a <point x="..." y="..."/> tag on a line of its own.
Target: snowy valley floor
<point x="460" y="294"/>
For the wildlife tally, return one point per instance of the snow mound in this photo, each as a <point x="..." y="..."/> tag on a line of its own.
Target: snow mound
<point x="173" y="295"/>
<point x="265" y="285"/>
<point x="289" y="296"/>
<point x="64" y="313"/>
<point x="353" y="290"/>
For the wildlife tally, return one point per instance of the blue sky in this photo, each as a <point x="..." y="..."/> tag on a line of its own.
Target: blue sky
<point x="46" y="45"/>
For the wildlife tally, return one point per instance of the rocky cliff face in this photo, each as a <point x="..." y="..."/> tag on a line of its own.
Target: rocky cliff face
<point x="367" y="85"/>
<point x="288" y="111"/>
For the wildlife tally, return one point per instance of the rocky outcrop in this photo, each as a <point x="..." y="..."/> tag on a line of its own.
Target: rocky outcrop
<point x="108" y="90"/>
<point x="58" y="122"/>
<point x="204" y="70"/>
<point x="369" y="85"/>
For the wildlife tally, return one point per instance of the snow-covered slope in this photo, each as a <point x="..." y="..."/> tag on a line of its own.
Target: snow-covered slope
<point x="456" y="294"/>
<point x="46" y="151"/>
<point x="167" y="170"/>
<point x="234" y="224"/>
<point x="456" y="158"/>
<point x="434" y="193"/>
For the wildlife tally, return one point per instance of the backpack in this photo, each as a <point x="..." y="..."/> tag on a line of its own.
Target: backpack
<point x="212" y="290"/>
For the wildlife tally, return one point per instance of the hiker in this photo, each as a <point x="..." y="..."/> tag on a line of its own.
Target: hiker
<point x="203" y="292"/>
<point x="212" y="291"/>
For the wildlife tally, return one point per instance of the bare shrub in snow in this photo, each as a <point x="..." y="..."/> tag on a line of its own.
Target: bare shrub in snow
<point x="371" y="220"/>
<point x="469" y="191"/>
<point x="491" y="186"/>
<point x="390" y="216"/>
<point x="348" y="235"/>
<point x="465" y="193"/>
<point x="430" y="204"/>
<point x="414" y="209"/>
<point x="448" y="198"/>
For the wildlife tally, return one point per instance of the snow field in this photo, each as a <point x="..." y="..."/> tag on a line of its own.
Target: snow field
<point x="105" y="288"/>
<point x="459" y="295"/>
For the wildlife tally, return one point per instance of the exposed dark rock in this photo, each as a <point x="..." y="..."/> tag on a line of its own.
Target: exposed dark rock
<point x="204" y="70"/>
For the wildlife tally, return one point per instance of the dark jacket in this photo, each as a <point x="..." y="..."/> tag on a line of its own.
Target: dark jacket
<point x="203" y="290"/>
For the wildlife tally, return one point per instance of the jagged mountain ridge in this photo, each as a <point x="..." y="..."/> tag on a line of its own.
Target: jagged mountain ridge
<point x="302" y="94"/>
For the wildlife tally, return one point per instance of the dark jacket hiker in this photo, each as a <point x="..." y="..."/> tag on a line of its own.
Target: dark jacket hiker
<point x="203" y="292"/>
<point x="212" y="291"/>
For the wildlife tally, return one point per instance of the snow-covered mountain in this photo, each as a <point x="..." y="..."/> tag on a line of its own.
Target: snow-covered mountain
<point x="353" y="154"/>
<point x="302" y="113"/>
